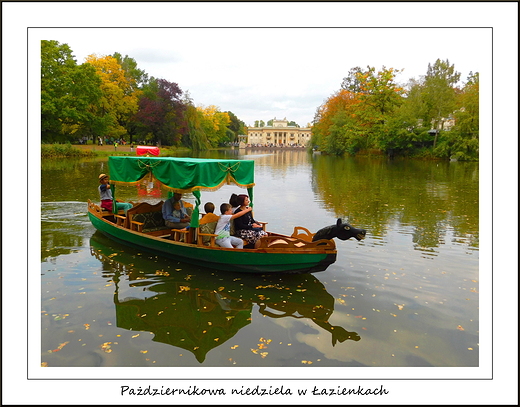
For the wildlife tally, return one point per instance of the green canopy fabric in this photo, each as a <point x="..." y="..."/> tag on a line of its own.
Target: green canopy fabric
<point x="180" y="174"/>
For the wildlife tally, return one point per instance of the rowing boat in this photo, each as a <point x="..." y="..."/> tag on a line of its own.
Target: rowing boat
<point x="300" y="252"/>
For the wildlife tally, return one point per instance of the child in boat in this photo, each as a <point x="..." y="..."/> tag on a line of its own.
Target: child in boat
<point x="172" y="221"/>
<point x="177" y="213"/>
<point x="105" y="195"/>
<point x="208" y="222"/>
<point x="224" y="238"/>
<point x="209" y="216"/>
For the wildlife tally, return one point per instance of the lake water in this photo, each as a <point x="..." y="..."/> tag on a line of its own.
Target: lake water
<point x="406" y="296"/>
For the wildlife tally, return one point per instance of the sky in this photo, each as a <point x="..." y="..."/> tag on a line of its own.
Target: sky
<point x="266" y="73"/>
<point x="284" y="68"/>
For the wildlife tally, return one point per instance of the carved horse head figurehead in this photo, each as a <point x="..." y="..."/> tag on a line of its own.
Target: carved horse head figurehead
<point x="341" y="230"/>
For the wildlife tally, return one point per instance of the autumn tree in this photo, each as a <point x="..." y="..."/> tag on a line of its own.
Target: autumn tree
<point x="120" y="94"/>
<point x="70" y="94"/>
<point x="215" y="124"/>
<point x="160" y="118"/>
<point x="335" y="129"/>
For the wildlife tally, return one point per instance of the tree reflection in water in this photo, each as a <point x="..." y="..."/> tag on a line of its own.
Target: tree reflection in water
<point x="201" y="311"/>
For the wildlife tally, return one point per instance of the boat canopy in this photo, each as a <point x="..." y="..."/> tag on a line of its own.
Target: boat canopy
<point x="183" y="175"/>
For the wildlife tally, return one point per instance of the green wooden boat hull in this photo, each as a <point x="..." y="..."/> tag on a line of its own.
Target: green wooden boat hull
<point x="246" y="260"/>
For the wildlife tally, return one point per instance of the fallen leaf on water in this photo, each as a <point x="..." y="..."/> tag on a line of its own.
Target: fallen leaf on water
<point x="135" y="336"/>
<point x="60" y="346"/>
<point x="460" y="328"/>
<point x="87" y="326"/>
<point x="143" y="351"/>
<point x="106" y="347"/>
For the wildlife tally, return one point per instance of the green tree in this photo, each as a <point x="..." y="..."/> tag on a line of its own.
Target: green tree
<point x="69" y="95"/>
<point x="440" y="92"/>
<point x="462" y="141"/>
<point x="352" y="81"/>
<point x="236" y="126"/>
<point x="137" y="78"/>
<point x="379" y="98"/>
<point x="196" y="137"/>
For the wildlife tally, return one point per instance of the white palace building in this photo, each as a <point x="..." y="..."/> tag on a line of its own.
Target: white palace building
<point x="279" y="134"/>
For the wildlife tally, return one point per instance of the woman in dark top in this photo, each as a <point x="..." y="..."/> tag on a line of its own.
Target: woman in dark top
<point x="245" y="226"/>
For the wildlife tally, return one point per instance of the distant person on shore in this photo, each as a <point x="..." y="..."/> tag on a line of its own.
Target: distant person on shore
<point x="105" y="195"/>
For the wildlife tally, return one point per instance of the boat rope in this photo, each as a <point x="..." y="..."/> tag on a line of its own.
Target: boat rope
<point x="148" y="166"/>
<point x="229" y="169"/>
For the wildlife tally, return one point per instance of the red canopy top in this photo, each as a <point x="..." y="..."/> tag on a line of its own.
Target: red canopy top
<point x="147" y="150"/>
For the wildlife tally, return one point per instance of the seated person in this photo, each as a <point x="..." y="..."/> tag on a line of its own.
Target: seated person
<point x="176" y="222"/>
<point x="105" y="195"/>
<point x="209" y="216"/>
<point x="233" y="201"/>
<point x="245" y="226"/>
<point x="224" y="238"/>
<point x="208" y="222"/>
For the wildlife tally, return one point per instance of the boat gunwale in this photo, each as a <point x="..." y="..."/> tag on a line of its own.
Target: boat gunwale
<point x="266" y="250"/>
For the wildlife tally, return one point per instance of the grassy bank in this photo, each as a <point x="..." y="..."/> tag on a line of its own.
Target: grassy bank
<point x="63" y="150"/>
<point x="89" y="150"/>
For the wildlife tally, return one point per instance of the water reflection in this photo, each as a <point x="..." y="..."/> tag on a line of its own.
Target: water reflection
<point x="202" y="310"/>
<point x="432" y="198"/>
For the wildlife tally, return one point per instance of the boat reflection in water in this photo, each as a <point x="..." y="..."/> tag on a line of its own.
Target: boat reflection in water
<point x="201" y="310"/>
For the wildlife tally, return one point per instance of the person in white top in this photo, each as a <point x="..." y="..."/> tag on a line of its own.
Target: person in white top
<point x="224" y="238"/>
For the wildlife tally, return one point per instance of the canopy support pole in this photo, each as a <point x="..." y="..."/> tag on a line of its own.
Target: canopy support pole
<point x="195" y="214"/>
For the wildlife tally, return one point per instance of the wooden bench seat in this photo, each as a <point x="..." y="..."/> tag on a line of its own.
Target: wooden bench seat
<point x="145" y="218"/>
